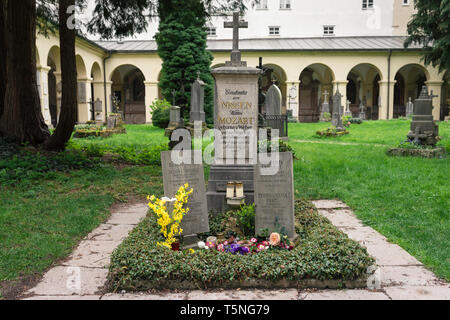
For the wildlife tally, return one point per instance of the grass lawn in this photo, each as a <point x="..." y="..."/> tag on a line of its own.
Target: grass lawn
<point x="406" y="199"/>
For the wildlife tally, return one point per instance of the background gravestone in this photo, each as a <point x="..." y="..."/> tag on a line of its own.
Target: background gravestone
<point x="174" y="176"/>
<point x="337" y="112"/>
<point x="198" y="102"/>
<point x="273" y="101"/>
<point x="274" y="198"/>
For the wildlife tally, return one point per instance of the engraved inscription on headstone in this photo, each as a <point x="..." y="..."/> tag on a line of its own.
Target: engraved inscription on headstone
<point x="175" y="176"/>
<point x="82" y="92"/>
<point x="274" y="198"/>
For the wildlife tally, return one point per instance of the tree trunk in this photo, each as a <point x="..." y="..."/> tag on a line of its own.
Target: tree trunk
<point x="67" y="118"/>
<point x="2" y="54"/>
<point x="22" y="117"/>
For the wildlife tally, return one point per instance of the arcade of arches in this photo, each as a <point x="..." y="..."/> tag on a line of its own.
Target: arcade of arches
<point x="130" y="81"/>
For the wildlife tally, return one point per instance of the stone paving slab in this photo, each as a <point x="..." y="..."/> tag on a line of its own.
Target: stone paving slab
<point x="388" y="254"/>
<point x="110" y="232"/>
<point x="63" y="281"/>
<point x="363" y="234"/>
<point x="407" y="276"/>
<point x="127" y="218"/>
<point x="329" y="204"/>
<point x="145" y="296"/>
<point x="64" y="298"/>
<point x="291" y="294"/>
<point x="419" y="293"/>
<point x="346" y="295"/>
<point x="92" y="254"/>
<point x="342" y="218"/>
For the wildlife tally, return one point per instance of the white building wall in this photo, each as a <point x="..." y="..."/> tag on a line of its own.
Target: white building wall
<point x="305" y="19"/>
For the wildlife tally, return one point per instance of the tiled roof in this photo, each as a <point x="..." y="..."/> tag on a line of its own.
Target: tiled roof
<point x="277" y="44"/>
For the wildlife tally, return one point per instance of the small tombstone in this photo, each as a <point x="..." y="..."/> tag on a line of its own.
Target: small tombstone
<point x="274" y="198"/>
<point x="111" y="123"/>
<point x="337" y="111"/>
<point x="348" y="112"/>
<point x="325" y="106"/>
<point x="174" y="176"/>
<point x="175" y="120"/>
<point x="98" y="109"/>
<point x="409" y="108"/>
<point x="362" y="111"/>
<point x="198" y="101"/>
<point x="273" y="101"/>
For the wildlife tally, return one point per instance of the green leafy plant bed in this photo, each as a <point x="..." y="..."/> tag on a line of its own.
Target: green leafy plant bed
<point x="322" y="257"/>
<point x="332" y="132"/>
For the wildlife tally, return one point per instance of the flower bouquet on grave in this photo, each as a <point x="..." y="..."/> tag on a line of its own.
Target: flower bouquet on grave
<point x="170" y="222"/>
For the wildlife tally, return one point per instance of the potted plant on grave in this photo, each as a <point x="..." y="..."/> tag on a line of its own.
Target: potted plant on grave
<point x="170" y="223"/>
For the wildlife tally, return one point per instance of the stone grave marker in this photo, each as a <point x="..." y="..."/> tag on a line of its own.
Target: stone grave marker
<point x="174" y="176"/>
<point x="274" y="198"/>
<point x="198" y="101"/>
<point x="325" y="106"/>
<point x="273" y="101"/>
<point x="409" y="108"/>
<point x="337" y="112"/>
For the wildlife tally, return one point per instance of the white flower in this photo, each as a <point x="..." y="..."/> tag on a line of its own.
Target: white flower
<point x="206" y="248"/>
<point x="201" y="245"/>
<point x="165" y="199"/>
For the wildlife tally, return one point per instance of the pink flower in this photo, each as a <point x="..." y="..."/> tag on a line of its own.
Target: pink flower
<point x="225" y="243"/>
<point x="266" y="243"/>
<point x="254" y="240"/>
<point x="261" y="247"/>
<point x="221" y="247"/>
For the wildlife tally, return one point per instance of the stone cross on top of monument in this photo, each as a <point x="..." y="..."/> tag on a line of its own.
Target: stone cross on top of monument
<point x="236" y="54"/>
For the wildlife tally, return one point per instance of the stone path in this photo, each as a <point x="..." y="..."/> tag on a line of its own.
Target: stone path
<point x="399" y="276"/>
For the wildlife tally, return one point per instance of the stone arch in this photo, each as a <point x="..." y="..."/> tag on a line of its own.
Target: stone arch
<point x="363" y="88"/>
<point x="55" y="56"/>
<point x="96" y="72"/>
<point x="410" y="79"/>
<point x="54" y="84"/>
<point x="81" y="67"/>
<point x="315" y="80"/>
<point x="277" y="74"/>
<point x="128" y="88"/>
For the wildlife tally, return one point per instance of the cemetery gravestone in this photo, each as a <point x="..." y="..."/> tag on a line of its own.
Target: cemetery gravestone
<point x="325" y="107"/>
<point x="337" y="112"/>
<point x="175" y="120"/>
<point x="198" y="101"/>
<point x="273" y="101"/>
<point x="175" y="176"/>
<point x="235" y="112"/>
<point x="274" y="198"/>
<point x="409" y="108"/>
<point x="424" y="130"/>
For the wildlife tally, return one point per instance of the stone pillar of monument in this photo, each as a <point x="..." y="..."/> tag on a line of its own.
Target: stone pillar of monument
<point x="42" y="80"/>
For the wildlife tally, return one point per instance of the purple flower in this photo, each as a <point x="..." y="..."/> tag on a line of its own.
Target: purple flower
<point x="234" y="248"/>
<point x="245" y="250"/>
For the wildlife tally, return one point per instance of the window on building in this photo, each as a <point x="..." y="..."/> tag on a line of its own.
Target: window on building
<point x="405" y="2"/>
<point x="274" y="31"/>
<point x="262" y="5"/>
<point x="211" y="31"/>
<point x="285" y="4"/>
<point x="328" y="30"/>
<point x="367" y="4"/>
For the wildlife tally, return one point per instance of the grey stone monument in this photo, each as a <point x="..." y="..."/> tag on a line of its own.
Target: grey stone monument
<point x="98" y="109"/>
<point x="362" y="111"/>
<point x="424" y="130"/>
<point x="409" y="108"/>
<point x="175" y="120"/>
<point x="273" y="101"/>
<point x="82" y="92"/>
<point x="198" y="101"/>
<point x="174" y="176"/>
<point x="274" y="198"/>
<point x="337" y="112"/>
<point x="235" y="111"/>
<point x="325" y="106"/>
<point x="348" y="112"/>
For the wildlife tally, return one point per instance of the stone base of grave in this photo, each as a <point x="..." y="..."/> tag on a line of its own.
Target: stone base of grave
<point x="447" y="119"/>
<point x="219" y="176"/>
<point x="144" y="285"/>
<point x="423" y="153"/>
